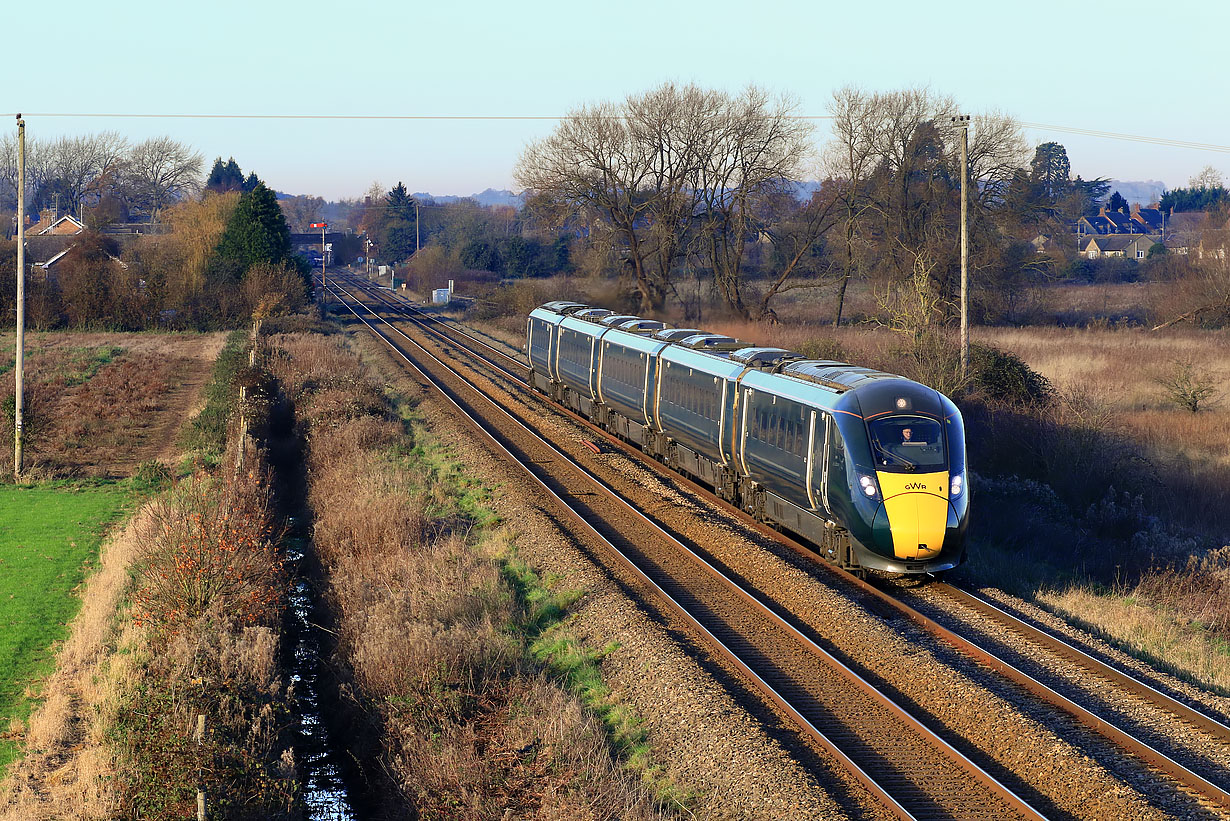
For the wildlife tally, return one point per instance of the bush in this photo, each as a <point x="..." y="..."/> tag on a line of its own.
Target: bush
<point x="1188" y="387"/>
<point x="1004" y="377"/>
<point x="823" y="347"/>
<point x="932" y="358"/>
<point x="208" y="547"/>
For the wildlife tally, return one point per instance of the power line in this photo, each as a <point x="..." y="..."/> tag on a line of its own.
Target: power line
<point x="1089" y="132"/>
<point x="459" y="117"/>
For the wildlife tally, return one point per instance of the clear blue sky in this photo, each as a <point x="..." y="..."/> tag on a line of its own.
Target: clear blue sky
<point x="1156" y="69"/>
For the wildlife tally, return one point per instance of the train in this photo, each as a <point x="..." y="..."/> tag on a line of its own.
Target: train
<point x="868" y="467"/>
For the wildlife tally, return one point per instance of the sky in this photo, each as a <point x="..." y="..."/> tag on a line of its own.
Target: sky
<point x="1153" y="69"/>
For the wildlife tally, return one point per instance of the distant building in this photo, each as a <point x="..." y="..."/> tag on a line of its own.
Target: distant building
<point x="1126" y="246"/>
<point x="51" y="225"/>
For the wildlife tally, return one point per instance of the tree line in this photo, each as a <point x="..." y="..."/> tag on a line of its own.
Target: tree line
<point x="682" y="190"/>
<point x="102" y="176"/>
<point x="225" y="255"/>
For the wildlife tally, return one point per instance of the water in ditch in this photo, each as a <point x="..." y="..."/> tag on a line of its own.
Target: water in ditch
<point x="320" y="761"/>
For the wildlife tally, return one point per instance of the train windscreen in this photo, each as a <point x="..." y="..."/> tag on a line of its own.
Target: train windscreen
<point x="907" y="444"/>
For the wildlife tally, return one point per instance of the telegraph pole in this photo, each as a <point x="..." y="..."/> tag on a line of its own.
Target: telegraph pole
<point x="962" y="122"/>
<point x="19" y="396"/>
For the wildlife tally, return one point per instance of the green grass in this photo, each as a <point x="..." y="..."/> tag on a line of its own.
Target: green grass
<point x="205" y="436"/>
<point x="49" y="538"/>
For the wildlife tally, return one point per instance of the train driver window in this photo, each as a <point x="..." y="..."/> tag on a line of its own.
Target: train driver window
<point x="907" y="443"/>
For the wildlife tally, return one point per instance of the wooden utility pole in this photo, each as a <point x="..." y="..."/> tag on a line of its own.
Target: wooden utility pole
<point x="962" y="122"/>
<point x="19" y="365"/>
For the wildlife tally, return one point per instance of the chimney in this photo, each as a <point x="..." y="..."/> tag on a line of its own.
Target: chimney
<point x="1102" y="211"/>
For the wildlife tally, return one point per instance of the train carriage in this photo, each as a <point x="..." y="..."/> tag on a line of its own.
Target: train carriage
<point x="868" y="466"/>
<point x="628" y="381"/>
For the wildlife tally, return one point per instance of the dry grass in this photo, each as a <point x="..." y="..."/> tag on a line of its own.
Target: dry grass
<point x="1148" y="630"/>
<point x="468" y="727"/>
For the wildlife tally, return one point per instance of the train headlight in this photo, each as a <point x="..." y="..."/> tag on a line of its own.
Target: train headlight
<point x="958" y="485"/>
<point x="869" y="486"/>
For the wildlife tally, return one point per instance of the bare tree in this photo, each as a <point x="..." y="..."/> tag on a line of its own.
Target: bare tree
<point x="755" y="149"/>
<point x="81" y="165"/>
<point x="162" y="171"/>
<point x="37" y="166"/>
<point x="1209" y="177"/>
<point x="848" y="160"/>
<point x="628" y="171"/>
<point x="895" y="157"/>
<point x="302" y="211"/>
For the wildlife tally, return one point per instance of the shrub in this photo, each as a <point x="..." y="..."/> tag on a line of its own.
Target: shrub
<point x="151" y="476"/>
<point x="823" y="347"/>
<point x="1187" y="387"/>
<point x="208" y="546"/>
<point x="929" y="356"/>
<point x="1004" y="377"/>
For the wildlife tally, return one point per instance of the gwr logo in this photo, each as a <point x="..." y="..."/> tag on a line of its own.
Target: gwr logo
<point x="915" y="486"/>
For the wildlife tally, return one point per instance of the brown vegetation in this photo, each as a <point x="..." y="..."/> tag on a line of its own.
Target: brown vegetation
<point x="102" y="404"/>
<point x="467" y="726"/>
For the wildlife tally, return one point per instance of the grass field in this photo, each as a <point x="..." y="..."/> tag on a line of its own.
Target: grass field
<point x="49" y="538"/>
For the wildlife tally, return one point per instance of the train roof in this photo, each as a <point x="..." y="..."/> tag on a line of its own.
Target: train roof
<point x="675" y="334"/>
<point x="713" y="343"/>
<point x="615" y="319"/>
<point x="564" y="306"/>
<point x="642" y="326"/>
<point x="838" y="376"/>
<point x="756" y="357"/>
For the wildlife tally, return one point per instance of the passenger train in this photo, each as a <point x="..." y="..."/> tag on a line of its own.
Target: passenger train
<point x="867" y="466"/>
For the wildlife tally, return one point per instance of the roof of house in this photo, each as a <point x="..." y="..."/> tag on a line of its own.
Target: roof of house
<point x="67" y="224"/>
<point x="1118" y="242"/>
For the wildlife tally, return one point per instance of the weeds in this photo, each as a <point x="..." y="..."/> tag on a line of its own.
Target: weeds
<point x="435" y="616"/>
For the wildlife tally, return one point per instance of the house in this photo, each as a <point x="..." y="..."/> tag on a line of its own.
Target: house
<point x="1107" y="222"/>
<point x="51" y="225"/>
<point x="1152" y="220"/>
<point x="1128" y="246"/>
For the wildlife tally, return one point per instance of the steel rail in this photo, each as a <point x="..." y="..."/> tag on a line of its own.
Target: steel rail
<point x="392" y="299"/>
<point x="946" y="749"/>
<point x="1143" y="690"/>
<point x="1121" y="738"/>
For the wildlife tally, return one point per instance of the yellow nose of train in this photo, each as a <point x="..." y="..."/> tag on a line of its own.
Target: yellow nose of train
<point x="914" y="516"/>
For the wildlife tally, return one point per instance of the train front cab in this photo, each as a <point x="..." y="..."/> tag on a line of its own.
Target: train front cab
<point x="905" y="478"/>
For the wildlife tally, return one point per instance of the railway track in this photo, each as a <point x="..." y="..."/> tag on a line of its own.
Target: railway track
<point x="910" y="769"/>
<point x="1093" y="686"/>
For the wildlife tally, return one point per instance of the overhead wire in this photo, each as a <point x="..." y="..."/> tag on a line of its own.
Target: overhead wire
<point x="1086" y="132"/>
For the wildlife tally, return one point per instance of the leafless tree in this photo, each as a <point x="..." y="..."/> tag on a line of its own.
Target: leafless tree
<point x="755" y="148"/>
<point x="895" y="156"/>
<point x="37" y="166"/>
<point x="849" y="159"/>
<point x="85" y="165"/>
<point x="302" y="211"/>
<point x="1208" y="177"/>
<point x="161" y="171"/>
<point x="631" y="169"/>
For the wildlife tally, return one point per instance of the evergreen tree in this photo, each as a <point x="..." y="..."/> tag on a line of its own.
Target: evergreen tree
<point x="224" y="176"/>
<point x="1051" y="168"/>
<point x="1118" y="203"/>
<point x="251" y="182"/>
<point x="400" y="204"/>
<point x="256" y="232"/>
